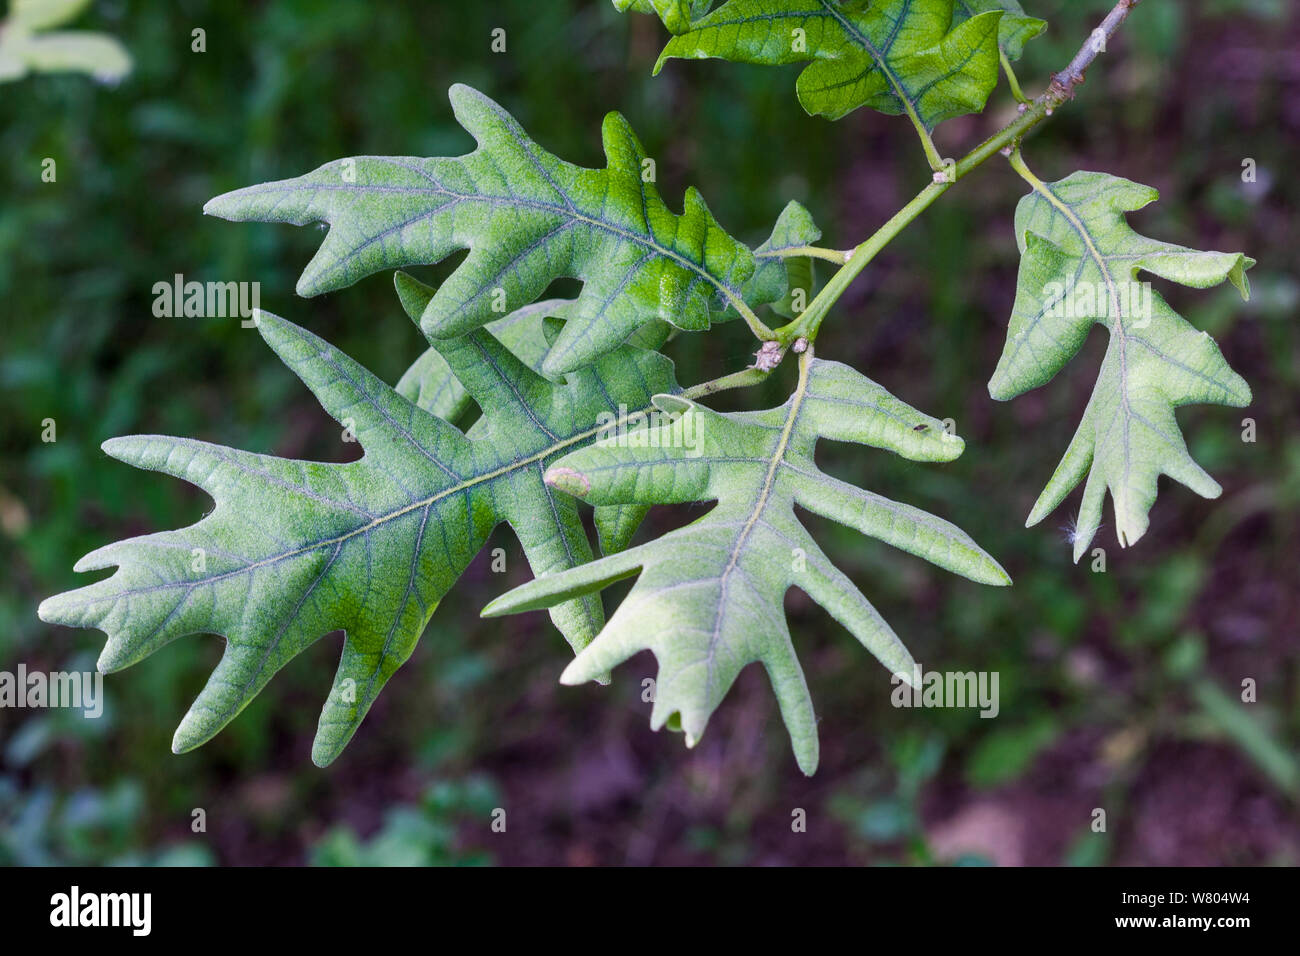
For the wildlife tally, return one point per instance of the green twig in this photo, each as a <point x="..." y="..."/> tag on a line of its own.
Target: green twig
<point x="811" y="318"/>
<point x="1059" y="91"/>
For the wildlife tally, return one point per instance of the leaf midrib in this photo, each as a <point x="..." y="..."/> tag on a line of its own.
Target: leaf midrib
<point x="760" y="504"/>
<point x="647" y="242"/>
<point x="882" y="63"/>
<point x="1118" y="335"/>
<point x="516" y="465"/>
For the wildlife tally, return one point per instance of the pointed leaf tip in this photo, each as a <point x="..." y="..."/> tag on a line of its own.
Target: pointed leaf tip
<point x="569" y="481"/>
<point x="324" y="754"/>
<point x="182" y="739"/>
<point x="574" y="674"/>
<point x="1080" y="265"/>
<point x="672" y="404"/>
<point x="116" y="446"/>
<point x="527" y="218"/>
<point x="47" y="610"/>
<point x="757" y="466"/>
<point x="416" y="507"/>
<point x="993" y="574"/>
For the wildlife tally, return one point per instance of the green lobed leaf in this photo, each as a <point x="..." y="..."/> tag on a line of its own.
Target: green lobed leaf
<point x="778" y="272"/>
<point x="708" y="598"/>
<point x="1079" y="266"/>
<point x="43" y="14"/>
<point x="527" y="218"/>
<point x="677" y="15"/>
<point x="28" y="45"/>
<point x="1015" y="29"/>
<point x="430" y="382"/>
<point x="295" y="549"/>
<point x="895" y="56"/>
<point x="528" y="332"/>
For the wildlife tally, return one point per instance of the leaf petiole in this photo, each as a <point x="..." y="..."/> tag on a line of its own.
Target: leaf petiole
<point x="1012" y="81"/>
<point x="810" y="321"/>
<point x="813" y="252"/>
<point x="1058" y="92"/>
<point x="756" y="325"/>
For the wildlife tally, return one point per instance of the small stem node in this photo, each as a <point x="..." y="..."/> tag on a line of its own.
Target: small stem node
<point x="769" y="356"/>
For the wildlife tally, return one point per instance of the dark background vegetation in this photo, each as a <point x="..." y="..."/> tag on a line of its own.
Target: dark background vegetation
<point x="1120" y="690"/>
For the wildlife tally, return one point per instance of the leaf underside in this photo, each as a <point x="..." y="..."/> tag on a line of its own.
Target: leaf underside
<point x="925" y="58"/>
<point x="294" y="550"/>
<point x="708" y="598"/>
<point x="677" y="15"/>
<point x="1079" y="266"/>
<point x="527" y="218"/>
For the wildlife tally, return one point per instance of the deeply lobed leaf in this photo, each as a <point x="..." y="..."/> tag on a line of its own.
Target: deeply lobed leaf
<point x="1079" y="266"/>
<point x="430" y="382"/>
<point x="296" y="549"/>
<point x="527" y="218"/>
<point x="677" y="15"/>
<point x="708" y="598"/>
<point x="924" y="58"/>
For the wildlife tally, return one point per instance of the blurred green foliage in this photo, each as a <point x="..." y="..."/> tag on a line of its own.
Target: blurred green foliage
<point x="420" y="835"/>
<point x="1120" y="689"/>
<point x="29" y="42"/>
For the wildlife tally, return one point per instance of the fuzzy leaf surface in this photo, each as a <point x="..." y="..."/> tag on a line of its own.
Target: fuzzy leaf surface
<point x="294" y="549"/>
<point x="527" y="218"/>
<point x="1079" y="267"/>
<point x="708" y="598"/>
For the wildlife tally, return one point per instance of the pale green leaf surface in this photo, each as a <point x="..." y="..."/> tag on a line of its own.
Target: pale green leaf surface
<point x="430" y="383"/>
<point x="25" y="46"/>
<point x="28" y="45"/>
<point x="528" y="333"/>
<point x="895" y="56"/>
<point x="527" y="218"/>
<point x="708" y="598"/>
<point x="1080" y="260"/>
<point x="294" y="549"/>
<point x="75" y="51"/>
